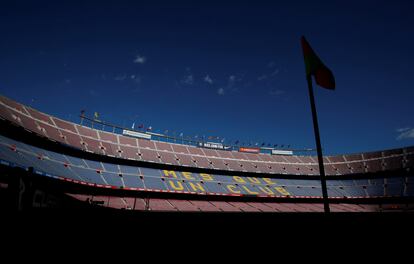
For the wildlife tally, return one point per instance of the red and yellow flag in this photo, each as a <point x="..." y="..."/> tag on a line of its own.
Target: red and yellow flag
<point x="314" y="66"/>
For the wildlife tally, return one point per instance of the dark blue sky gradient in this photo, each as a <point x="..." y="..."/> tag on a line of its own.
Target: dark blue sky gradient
<point x="233" y="69"/>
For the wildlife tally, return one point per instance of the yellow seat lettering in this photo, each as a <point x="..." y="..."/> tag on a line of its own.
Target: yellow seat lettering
<point x="232" y="188"/>
<point x="169" y="173"/>
<point x="266" y="190"/>
<point x="248" y="190"/>
<point x="239" y="179"/>
<point x="254" y="180"/>
<point x="282" y="190"/>
<point x="269" y="181"/>
<point x="187" y="175"/>
<point x="196" y="186"/>
<point x="176" y="185"/>
<point x="206" y="177"/>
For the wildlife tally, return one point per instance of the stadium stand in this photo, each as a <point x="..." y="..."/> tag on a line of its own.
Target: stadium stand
<point x="105" y="143"/>
<point x="86" y="156"/>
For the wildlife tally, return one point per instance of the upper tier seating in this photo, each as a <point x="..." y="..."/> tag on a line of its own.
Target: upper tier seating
<point x="120" y="146"/>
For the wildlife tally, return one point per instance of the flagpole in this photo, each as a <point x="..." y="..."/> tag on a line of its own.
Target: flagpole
<point x="318" y="145"/>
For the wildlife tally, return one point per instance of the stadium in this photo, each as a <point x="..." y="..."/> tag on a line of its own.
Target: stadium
<point x="47" y="162"/>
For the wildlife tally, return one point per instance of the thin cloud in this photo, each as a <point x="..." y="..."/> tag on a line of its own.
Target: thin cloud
<point x="135" y="77"/>
<point x="268" y="76"/>
<point x="208" y="79"/>
<point x="405" y="133"/>
<point x="275" y="72"/>
<point x="220" y="91"/>
<point x="140" y="59"/>
<point x="188" y="79"/>
<point x="403" y="129"/>
<point x="230" y="86"/>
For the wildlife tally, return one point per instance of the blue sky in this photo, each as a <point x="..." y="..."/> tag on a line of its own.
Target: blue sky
<point x="231" y="69"/>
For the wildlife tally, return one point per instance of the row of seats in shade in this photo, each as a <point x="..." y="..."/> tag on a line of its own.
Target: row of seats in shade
<point x="124" y="176"/>
<point x="156" y="204"/>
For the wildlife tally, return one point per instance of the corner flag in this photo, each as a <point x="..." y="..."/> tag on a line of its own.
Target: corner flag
<point x="323" y="77"/>
<point x="314" y="66"/>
